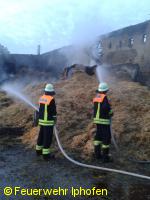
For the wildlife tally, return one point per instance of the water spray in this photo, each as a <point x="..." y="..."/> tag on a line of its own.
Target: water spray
<point x="100" y="79"/>
<point x="24" y="99"/>
<point x="12" y="91"/>
<point x="99" y="74"/>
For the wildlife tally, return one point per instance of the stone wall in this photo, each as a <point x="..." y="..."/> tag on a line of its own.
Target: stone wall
<point x="130" y="45"/>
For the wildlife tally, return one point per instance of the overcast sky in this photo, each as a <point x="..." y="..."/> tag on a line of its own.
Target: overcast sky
<point x="54" y="23"/>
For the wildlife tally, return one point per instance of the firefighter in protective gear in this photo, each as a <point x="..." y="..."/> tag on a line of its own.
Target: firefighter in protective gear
<point x="102" y="117"/>
<point x="47" y="119"/>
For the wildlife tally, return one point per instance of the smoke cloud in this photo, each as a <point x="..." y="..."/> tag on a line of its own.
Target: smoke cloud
<point x="58" y="23"/>
<point x="54" y="24"/>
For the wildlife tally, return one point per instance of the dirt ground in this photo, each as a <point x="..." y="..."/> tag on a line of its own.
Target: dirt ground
<point x="130" y="126"/>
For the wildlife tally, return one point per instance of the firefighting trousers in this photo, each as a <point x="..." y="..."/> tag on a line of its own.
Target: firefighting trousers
<point x="102" y="140"/>
<point x="44" y="140"/>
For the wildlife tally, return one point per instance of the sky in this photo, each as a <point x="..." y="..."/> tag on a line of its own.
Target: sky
<point x="55" y="23"/>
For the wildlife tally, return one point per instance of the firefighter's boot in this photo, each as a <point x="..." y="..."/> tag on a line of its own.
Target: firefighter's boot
<point x="97" y="151"/>
<point x="106" y="157"/>
<point x="48" y="157"/>
<point x="39" y="150"/>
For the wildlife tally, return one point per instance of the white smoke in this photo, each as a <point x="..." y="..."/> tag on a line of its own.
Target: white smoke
<point x="16" y="91"/>
<point x="76" y="54"/>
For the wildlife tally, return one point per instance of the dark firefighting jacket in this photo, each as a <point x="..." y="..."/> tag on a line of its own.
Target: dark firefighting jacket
<point x="102" y="110"/>
<point x="47" y="110"/>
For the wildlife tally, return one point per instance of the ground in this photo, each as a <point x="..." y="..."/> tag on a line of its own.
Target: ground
<point x="130" y="126"/>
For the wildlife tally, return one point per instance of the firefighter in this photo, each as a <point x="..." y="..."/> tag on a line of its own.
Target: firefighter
<point x="47" y="119"/>
<point x="102" y="119"/>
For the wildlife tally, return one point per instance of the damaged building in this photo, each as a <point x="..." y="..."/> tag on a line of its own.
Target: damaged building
<point x="129" y="49"/>
<point x="125" y="50"/>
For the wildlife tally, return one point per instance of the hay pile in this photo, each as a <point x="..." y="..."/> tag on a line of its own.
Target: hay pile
<point x="131" y="121"/>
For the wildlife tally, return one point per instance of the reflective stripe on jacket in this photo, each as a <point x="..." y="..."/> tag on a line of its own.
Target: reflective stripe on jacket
<point x="101" y="110"/>
<point x="45" y="117"/>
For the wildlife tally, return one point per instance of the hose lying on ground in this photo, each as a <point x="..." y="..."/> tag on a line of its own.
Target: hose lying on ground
<point x="139" y="161"/>
<point x="93" y="166"/>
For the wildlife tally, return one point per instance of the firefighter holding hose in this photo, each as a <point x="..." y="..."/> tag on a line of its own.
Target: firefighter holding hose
<point x="47" y="119"/>
<point x="102" y="119"/>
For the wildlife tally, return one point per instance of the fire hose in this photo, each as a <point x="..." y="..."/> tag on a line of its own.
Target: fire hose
<point x="72" y="160"/>
<point x="93" y="166"/>
<point x="87" y="165"/>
